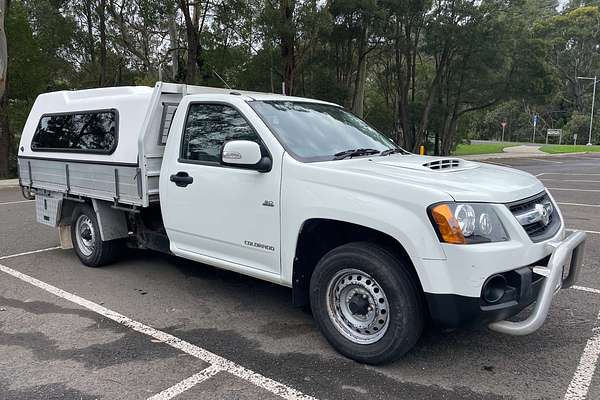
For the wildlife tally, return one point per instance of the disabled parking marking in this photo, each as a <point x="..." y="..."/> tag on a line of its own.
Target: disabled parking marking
<point x="187" y="384"/>
<point x="214" y="360"/>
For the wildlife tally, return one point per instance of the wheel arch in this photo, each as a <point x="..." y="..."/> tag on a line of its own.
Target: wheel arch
<point x="111" y="222"/>
<point x="318" y="236"/>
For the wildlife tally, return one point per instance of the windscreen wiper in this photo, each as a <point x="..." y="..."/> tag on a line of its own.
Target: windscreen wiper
<point x="354" y="153"/>
<point x="391" y="151"/>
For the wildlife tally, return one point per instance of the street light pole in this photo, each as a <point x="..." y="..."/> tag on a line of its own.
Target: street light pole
<point x="592" y="112"/>
<point x="595" y="79"/>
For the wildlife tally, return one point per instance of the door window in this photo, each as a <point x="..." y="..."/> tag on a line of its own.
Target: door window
<point x="208" y="126"/>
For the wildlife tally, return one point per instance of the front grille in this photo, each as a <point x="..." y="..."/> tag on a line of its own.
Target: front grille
<point x="538" y="231"/>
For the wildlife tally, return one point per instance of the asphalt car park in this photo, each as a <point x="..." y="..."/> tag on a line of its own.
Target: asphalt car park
<point x="154" y="326"/>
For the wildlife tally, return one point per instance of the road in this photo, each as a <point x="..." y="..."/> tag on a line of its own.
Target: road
<point x="151" y="325"/>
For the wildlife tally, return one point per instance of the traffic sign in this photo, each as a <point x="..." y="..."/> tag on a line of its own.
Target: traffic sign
<point x="536" y="119"/>
<point x="503" y="124"/>
<point x="554" y="132"/>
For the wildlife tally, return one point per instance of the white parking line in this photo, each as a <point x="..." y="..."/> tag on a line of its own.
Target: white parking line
<point x="214" y="360"/>
<point x="592" y="232"/>
<point x="16" y="202"/>
<point x="566" y="173"/>
<point x="578" y="204"/>
<point x="586" y="289"/>
<point x="580" y="384"/>
<point x="570" y="180"/>
<point x="29" y="252"/>
<point x="575" y="190"/>
<point x="187" y="384"/>
<point x="540" y="159"/>
<point x="498" y="163"/>
<point x="572" y="157"/>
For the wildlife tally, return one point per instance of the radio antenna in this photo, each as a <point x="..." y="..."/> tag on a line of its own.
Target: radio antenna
<point x="222" y="80"/>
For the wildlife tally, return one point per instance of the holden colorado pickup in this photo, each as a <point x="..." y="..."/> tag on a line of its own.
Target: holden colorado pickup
<point x="300" y="192"/>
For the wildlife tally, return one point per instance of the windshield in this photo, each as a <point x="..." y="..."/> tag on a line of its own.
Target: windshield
<point x="317" y="132"/>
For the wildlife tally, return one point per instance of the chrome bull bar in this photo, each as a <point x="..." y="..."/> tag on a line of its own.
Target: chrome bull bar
<point x="572" y="247"/>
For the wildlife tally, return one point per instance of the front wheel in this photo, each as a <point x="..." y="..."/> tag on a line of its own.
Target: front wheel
<point x="87" y="240"/>
<point x="367" y="303"/>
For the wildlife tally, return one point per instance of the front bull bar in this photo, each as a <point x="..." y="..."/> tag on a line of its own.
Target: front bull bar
<point x="570" y="247"/>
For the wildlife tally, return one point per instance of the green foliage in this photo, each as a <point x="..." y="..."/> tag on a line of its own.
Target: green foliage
<point x="578" y="124"/>
<point x="28" y="73"/>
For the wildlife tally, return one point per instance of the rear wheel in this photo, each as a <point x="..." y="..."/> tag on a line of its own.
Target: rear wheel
<point x="367" y="303"/>
<point x="87" y="240"/>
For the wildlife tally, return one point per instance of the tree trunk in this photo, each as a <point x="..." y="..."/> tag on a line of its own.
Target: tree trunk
<point x="358" y="99"/>
<point x="90" y="30"/>
<point x="102" y="28"/>
<point x="431" y="95"/>
<point x="403" y="125"/>
<point x="4" y="131"/>
<point x="288" y="53"/>
<point x="5" y="142"/>
<point x="174" y="45"/>
<point x="193" y="40"/>
<point x="450" y="125"/>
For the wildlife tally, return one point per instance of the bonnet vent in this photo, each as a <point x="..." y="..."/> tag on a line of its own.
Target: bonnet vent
<point x="443" y="164"/>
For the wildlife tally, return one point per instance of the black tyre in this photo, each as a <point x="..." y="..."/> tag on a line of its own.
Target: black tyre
<point x="87" y="242"/>
<point x="367" y="303"/>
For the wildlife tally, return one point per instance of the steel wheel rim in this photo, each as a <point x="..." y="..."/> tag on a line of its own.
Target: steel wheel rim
<point x="357" y="306"/>
<point x="85" y="235"/>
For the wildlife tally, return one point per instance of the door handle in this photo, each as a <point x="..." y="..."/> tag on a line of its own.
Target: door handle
<point x="182" y="179"/>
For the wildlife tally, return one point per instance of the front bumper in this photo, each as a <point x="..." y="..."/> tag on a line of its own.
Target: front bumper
<point x="570" y="249"/>
<point x="535" y="283"/>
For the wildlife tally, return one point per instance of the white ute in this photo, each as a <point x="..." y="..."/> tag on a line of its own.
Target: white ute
<point x="302" y="193"/>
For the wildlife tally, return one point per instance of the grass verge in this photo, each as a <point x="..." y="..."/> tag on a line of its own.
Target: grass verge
<point x="484" y="148"/>
<point x="568" y="148"/>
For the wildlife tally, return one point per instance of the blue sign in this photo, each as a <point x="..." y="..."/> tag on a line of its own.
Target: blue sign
<point x="536" y="119"/>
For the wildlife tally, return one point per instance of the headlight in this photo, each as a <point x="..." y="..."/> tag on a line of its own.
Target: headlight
<point x="467" y="223"/>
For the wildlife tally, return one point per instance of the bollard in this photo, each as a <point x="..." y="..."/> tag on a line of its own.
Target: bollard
<point x="422" y="150"/>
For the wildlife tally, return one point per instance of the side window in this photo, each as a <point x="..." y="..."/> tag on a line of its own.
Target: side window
<point x="208" y="126"/>
<point x="93" y="132"/>
<point x="167" y="119"/>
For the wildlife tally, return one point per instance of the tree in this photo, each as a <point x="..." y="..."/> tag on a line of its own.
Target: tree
<point x="573" y="40"/>
<point x="4" y="128"/>
<point x="102" y="29"/>
<point x="425" y="72"/>
<point x="194" y="15"/>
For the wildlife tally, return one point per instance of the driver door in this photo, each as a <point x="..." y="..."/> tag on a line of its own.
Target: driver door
<point x="225" y="216"/>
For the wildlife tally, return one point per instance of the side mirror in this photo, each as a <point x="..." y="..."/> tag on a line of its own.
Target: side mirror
<point x="245" y="154"/>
